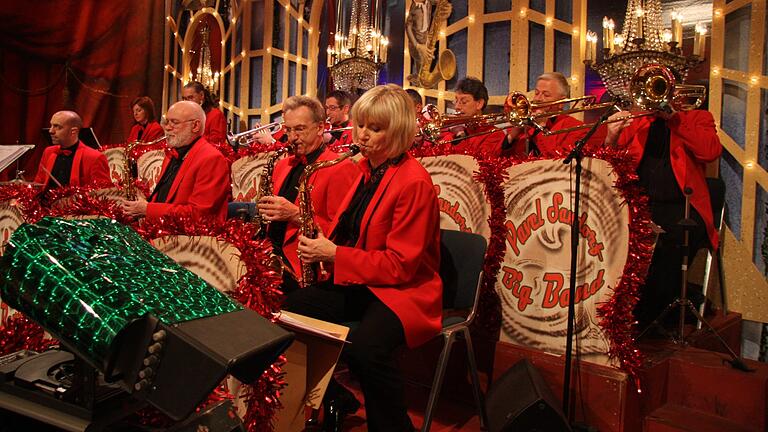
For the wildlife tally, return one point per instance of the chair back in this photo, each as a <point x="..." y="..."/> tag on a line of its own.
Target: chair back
<point x="461" y="263"/>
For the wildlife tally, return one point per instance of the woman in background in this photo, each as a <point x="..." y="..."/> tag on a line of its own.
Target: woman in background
<point x="145" y="127"/>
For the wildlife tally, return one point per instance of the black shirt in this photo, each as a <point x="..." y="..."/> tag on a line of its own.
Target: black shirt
<point x="160" y="194"/>
<point x="290" y="190"/>
<point x="655" y="168"/>
<point x="62" y="168"/>
<point x="348" y="229"/>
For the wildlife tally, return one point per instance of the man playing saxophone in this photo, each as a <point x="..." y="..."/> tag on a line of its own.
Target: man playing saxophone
<point x="195" y="180"/>
<point x="303" y="125"/>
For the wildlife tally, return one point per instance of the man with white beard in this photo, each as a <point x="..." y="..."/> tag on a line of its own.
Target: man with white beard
<point x="195" y="178"/>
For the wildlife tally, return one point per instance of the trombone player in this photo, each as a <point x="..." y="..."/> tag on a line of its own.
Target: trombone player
<point x="526" y="140"/>
<point x="669" y="150"/>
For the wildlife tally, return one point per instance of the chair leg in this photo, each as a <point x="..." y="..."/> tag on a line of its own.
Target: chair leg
<point x="475" y="380"/>
<point x="437" y="381"/>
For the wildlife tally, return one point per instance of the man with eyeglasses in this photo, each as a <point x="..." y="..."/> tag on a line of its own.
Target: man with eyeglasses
<point x="477" y="140"/>
<point x="69" y="162"/>
<point x="303" y="120"/>
<point x="337" y="106"/>
<point x="195" y="180"/>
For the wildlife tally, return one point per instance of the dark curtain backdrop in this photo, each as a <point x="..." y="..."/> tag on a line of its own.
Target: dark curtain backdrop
<point x="90" y="56"/>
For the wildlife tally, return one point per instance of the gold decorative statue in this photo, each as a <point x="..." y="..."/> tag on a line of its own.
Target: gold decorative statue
<point x="425" y="18"/>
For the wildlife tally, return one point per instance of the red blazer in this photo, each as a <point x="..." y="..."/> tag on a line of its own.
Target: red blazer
<point x="344" y="140"/>
<point x="398" y="253"/>
<point x="215" y="127"/>
<point x="557" y="145"/>
<point x="693" y="142"/>
<point x="152" y="131"/>
<point x="89" y="168"/>
<point x="329" y="186"/>
<point x="201" y="188"/>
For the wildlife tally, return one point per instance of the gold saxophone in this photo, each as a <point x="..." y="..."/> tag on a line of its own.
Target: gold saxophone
<point x="266" y="187"/>
<point x="266" y="184"/>
<point x="130" y="167"/>
<point x="311" y="272"/>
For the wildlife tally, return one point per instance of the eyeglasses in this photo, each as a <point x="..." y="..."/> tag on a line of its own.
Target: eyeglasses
<point x="298" y="130"/>
<point x="332" y="107"/>
<point x="175" y="122"/>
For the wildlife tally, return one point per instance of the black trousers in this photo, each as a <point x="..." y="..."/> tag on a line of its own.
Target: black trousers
<point x="664" y="281"/>
<point x="371" y="351"/>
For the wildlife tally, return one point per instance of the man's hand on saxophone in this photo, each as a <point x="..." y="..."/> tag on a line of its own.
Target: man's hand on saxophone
<point x="319" y="249"/>
<point x="276" y="208"/>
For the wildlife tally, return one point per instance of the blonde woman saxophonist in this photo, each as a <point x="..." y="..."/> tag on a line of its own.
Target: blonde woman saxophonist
<point x="303" y="119"/>
<point x="385" y="246"/>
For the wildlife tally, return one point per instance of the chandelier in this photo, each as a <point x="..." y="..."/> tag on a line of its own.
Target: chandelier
<point x="205" y="74"/>
<point x="360" y="50"/>
<point x="643" y="40"/>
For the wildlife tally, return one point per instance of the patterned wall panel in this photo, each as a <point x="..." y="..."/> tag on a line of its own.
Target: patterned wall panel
<point x="738" y="83"/>
<point x="509" y="43"/>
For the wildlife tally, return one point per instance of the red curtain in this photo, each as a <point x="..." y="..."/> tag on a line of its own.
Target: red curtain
<point x="90" y="56"/>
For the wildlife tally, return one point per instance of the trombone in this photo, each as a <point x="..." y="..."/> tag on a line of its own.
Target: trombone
<point x="248" y="137"/>
<point x="652" y="88"/>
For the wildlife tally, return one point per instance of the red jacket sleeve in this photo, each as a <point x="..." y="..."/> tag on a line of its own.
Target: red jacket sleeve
<point x="698" y="133"/>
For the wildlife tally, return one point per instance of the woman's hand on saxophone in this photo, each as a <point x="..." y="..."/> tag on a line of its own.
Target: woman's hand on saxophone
<point x="277" y="208"/>
<point x="319" y="249"/>
<point x="134" y="209"/>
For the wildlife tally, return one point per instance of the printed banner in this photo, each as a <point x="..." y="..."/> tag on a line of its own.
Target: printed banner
<point x="534" y="278"/>
<point x="463" y="205"/>
<point x="246" y="176"/>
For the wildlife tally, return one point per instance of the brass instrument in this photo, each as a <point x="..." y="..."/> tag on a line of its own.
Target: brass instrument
<point x="247" y="138"/>
<point x="310" y="272"/>
<point x="266" y="185"/>
<point x="431" y="123"/>
<point x="652" y="88"/>
<point x="130" y="167"/>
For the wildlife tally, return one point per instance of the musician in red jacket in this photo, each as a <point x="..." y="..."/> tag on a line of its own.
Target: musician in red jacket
<point x="670" y="151"/>
<point x="484" y="140"/>
<point x="337" y="106"/>
<point x="303" y="126"/>
<point x="215" y="122"/>
<point x="530" y="140"/>
<point x="385" y="247"/>
<point x="146" y="128"/>
<point x="195" y="178"/>
<point x="69" y="162"/>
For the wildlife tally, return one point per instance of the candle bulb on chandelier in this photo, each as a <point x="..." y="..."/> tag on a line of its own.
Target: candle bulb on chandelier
<point x="618" y="43"/>
<point x="640" y="22"/>
<point x="383" y="54"/>
<point x="700" y="40"/>
<point x="608" y="34"/>
<point x="590" y="52"/>
<point x="677" y="28"/>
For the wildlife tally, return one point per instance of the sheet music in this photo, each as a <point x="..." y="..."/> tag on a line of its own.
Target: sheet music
<point x="9" y="153"/>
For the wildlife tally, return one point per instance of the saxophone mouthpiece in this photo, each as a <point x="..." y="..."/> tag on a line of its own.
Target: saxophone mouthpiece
<point x="353" y="149"/>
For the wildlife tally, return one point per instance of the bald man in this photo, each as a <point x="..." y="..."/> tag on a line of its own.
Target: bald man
<point x="69" y="162"/>
<point x="195" y="180"/>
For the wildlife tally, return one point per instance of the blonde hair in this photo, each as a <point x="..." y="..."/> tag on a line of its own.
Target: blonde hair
<point x="392" y="109"/>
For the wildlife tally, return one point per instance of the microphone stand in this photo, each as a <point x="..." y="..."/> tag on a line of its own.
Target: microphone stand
<point x="576" y="154"/>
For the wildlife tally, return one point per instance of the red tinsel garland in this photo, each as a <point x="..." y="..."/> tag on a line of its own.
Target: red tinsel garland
<point x="616" y="315"/>
<point x="258" y="289"/>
